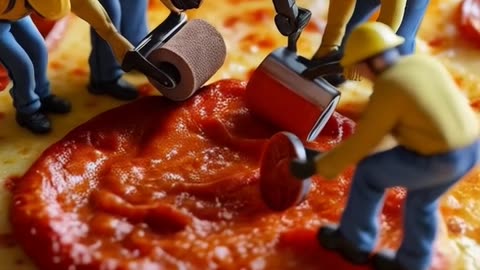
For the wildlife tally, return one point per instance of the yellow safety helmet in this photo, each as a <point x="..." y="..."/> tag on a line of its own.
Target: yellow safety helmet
<point x="367" y="40"/>
<point x="51" y="9"/>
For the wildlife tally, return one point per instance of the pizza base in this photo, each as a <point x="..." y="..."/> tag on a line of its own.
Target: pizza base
<point x="19" y="148"/>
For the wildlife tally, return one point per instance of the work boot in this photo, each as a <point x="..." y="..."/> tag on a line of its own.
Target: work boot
<point x="55" y="104"/>
<point x="36" y="122"/>
<point x="386" y="261"/>
<point x="331" y="238"/>
<point x="119" y="89"/>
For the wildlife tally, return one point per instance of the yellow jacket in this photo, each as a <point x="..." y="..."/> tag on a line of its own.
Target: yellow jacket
<point x="340" y="12"/>
<point x="418" y="103"/>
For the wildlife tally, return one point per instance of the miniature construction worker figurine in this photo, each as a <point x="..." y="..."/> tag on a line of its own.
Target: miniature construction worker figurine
<point x="129" y="17"/>
<point x="24" y="54"/>
<point x="416" y="101"/>
<point x="403" y="16"/>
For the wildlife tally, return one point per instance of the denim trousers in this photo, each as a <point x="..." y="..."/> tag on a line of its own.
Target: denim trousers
<point x="426" y="179"/>
<point x="414" y="12"/>
<point x="130" y="19"/>
<point x="24" y="54"/>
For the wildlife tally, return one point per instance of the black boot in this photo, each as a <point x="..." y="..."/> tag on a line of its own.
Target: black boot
<point x="331" y="238"/>
<point x="386" y="261"/>
<point x="55" y="104"/>
<point x="36" y="122"/>
<point x="119" y="89"/>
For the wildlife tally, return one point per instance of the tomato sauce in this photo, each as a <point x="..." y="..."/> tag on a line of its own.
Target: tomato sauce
<point x="6" y="240"/>
<point x="468" y="20"/>
<point x="156" y="184"/>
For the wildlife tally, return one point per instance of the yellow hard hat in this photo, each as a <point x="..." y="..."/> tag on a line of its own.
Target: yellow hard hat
<point x="51" y="9"/>
<point x="367" y="40"/>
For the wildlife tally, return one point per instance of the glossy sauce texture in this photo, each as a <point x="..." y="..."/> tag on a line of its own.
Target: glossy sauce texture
<point x="162" y="185"/>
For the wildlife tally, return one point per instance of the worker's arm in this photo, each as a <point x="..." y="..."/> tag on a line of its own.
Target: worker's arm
<point x="339" y="13"/>
<point x="94" y="14"/>
<point x="378" y="120"/>
<point x="391" y="13"/>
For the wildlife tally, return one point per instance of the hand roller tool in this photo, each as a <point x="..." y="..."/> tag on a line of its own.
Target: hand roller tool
<point x="287" y="89"/>
<point x="178" y="56"/>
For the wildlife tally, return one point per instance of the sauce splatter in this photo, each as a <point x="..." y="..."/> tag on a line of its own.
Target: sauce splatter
<point x="146" y="89"/>
<point x="9" y="183"/>
<point x="80" y="72"/>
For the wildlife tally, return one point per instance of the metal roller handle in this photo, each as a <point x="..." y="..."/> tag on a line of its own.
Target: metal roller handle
<point x="291" y="20"/>
<point x="137" y="59"/>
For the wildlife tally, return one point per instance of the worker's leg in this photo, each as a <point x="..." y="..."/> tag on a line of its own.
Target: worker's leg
<point x="364" y="9"/>
<point x="21" y="72"/>
<point x="28" y="36"/>
<point x="105" y="71"/>
<point x="420" y="227"/>
<point x="434" y="176"/>
<point x="133" y="24"/>
<point x="414" y="13"/>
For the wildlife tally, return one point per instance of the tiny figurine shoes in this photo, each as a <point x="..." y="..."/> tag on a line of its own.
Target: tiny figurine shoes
<point x="119" y="89"/>
<point x="36" y="122"/>
<point x="386" y="261"/>
<point x="330" y="238"/>
<point x="55" y="104"/>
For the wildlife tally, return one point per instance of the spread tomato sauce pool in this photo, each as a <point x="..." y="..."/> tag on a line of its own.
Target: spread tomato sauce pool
<point x="156" y="184"/>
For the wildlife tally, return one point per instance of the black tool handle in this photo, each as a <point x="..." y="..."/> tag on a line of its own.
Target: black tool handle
<point x="291" y="20"/>
<point x="303" y="169"/>
<point x="135" y="60"/>
<point x="324" y="69"/>
<point x="162" y="33"/>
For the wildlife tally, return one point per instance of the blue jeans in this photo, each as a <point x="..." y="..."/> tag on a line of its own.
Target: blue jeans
<point x="414" y="12"/>
<point x="24" y="54"/>
<point x="129" y="17"/>
<point x="426" y="178"/>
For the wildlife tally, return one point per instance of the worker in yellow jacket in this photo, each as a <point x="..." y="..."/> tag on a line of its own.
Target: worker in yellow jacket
<point x="417" y="101"/>
<point x="403" y="16"/>
<point x="24" y="54"/>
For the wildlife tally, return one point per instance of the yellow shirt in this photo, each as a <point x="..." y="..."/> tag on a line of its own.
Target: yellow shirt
<point x="340" y="12"/>
<point x="418" y="103"/>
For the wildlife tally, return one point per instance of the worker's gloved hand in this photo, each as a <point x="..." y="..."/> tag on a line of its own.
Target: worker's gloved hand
<point x="303" y="169"/>
<point x="186" y="4"/>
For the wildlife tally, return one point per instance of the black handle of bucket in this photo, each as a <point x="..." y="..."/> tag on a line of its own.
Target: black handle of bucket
<point x="291" y="20"/>
<point x="137" y="58"/>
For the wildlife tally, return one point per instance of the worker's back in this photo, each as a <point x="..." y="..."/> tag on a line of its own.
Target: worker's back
<point x="435" y="115"/>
